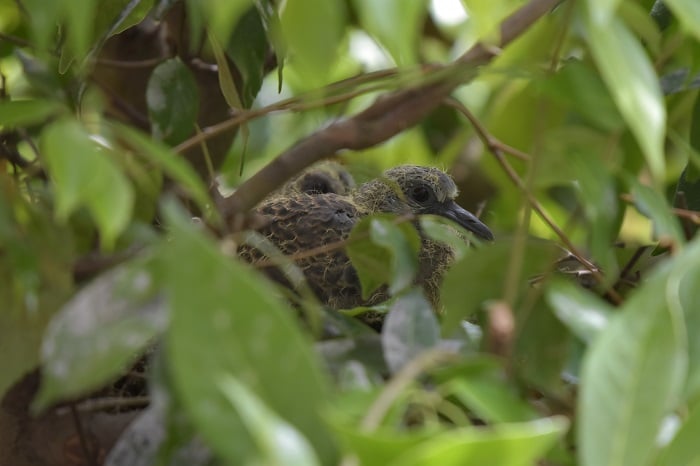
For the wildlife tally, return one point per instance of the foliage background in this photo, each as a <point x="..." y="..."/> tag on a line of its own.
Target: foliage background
<point x="577" y="130"/>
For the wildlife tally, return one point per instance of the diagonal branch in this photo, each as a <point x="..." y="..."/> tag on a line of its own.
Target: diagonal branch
<point x="385" y="118"/>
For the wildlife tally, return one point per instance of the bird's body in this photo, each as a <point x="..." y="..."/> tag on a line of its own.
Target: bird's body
<point x="300" y="223"/>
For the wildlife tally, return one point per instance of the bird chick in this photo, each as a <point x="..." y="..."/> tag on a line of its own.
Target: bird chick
<point x="299" y="222"/>
<point x="322" y="178"/>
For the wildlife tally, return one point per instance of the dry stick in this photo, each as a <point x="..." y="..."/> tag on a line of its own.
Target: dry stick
<point x="488" y="141"/>
<point x="384" y="119"/>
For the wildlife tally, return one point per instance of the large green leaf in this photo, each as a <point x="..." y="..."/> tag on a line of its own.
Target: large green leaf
<point x="99" y="332"/>
<point x="630" y="77"/>
<point x="248" y="49"/>
<point x="84" y="174"/>
<point x="632" y="376"/>
<point x="396" y="24"/>
<point x="227" y="322"/>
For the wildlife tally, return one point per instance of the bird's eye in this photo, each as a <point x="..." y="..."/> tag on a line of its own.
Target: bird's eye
<point x="420" y="194"/>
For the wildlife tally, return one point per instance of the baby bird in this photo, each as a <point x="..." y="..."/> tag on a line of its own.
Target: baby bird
<point x="322" y="178"/>
<point x="299" y="221"/>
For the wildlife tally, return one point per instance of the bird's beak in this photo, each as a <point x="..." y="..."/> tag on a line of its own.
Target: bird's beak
<point x="463" y="217"/>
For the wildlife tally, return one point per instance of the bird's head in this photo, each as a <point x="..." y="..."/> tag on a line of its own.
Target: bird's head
<point x="323" y="178"/>
<point x="419" y="190"/>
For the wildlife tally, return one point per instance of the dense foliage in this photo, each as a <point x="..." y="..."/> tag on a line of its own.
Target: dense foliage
<point x="135" y="136"/>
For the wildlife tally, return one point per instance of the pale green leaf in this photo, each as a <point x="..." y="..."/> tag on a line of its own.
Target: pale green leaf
<point x="226" y="320"/>
<point x="683" y="449"/>
<point x="278" y="442"/>
<point x="84" y="174"/>
<point x="396" y="24"/>
<point x="98" y="333"/>
<point x="630" y="77"/>
<point x="688" y="13"/>
<point x="312" y="31"/>
<point x="632" y="376"/>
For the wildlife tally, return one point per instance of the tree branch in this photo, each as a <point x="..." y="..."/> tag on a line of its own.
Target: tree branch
<point x="385" y="118"/>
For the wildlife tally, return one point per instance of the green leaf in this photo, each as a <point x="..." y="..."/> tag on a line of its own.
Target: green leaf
<point x="652" y="204"/>
<point x="384" y="252"/>
<point x="98" y="333"/>
<point x="688" y="14"/>
<point x="396" y="24"/>
<point x="279" y="443"/>
<point x="83" y="174"/>
<point x="27" y="112"/>
<point x="80" y="22"/>
<point x="410" y="328"/>
<point x="176" y="167"/>
<point x="632" y="376"/>
<point x="312" y="31"/>
<point x="630" y="77"/>
<point x="583" y="312"/>
<point x="118" y="15"/>
<point x="502" y="444"/>
<point x="247" y="48"/>
<point x="173" y="101"/>
<point x="683" y="449"/>
<point x="485" y="17"/>
<point x="227" y="321"/>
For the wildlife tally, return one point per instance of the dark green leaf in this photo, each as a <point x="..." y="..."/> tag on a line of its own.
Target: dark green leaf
<point x="226" y="321"/>
<point x="97" y="334"/>
<point x="410" y="328"/>
<point x="248" y="49"/>
<point x="173" y="101"/>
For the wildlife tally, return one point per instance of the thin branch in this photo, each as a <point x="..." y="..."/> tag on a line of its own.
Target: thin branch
<point x="386" y="117"/>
